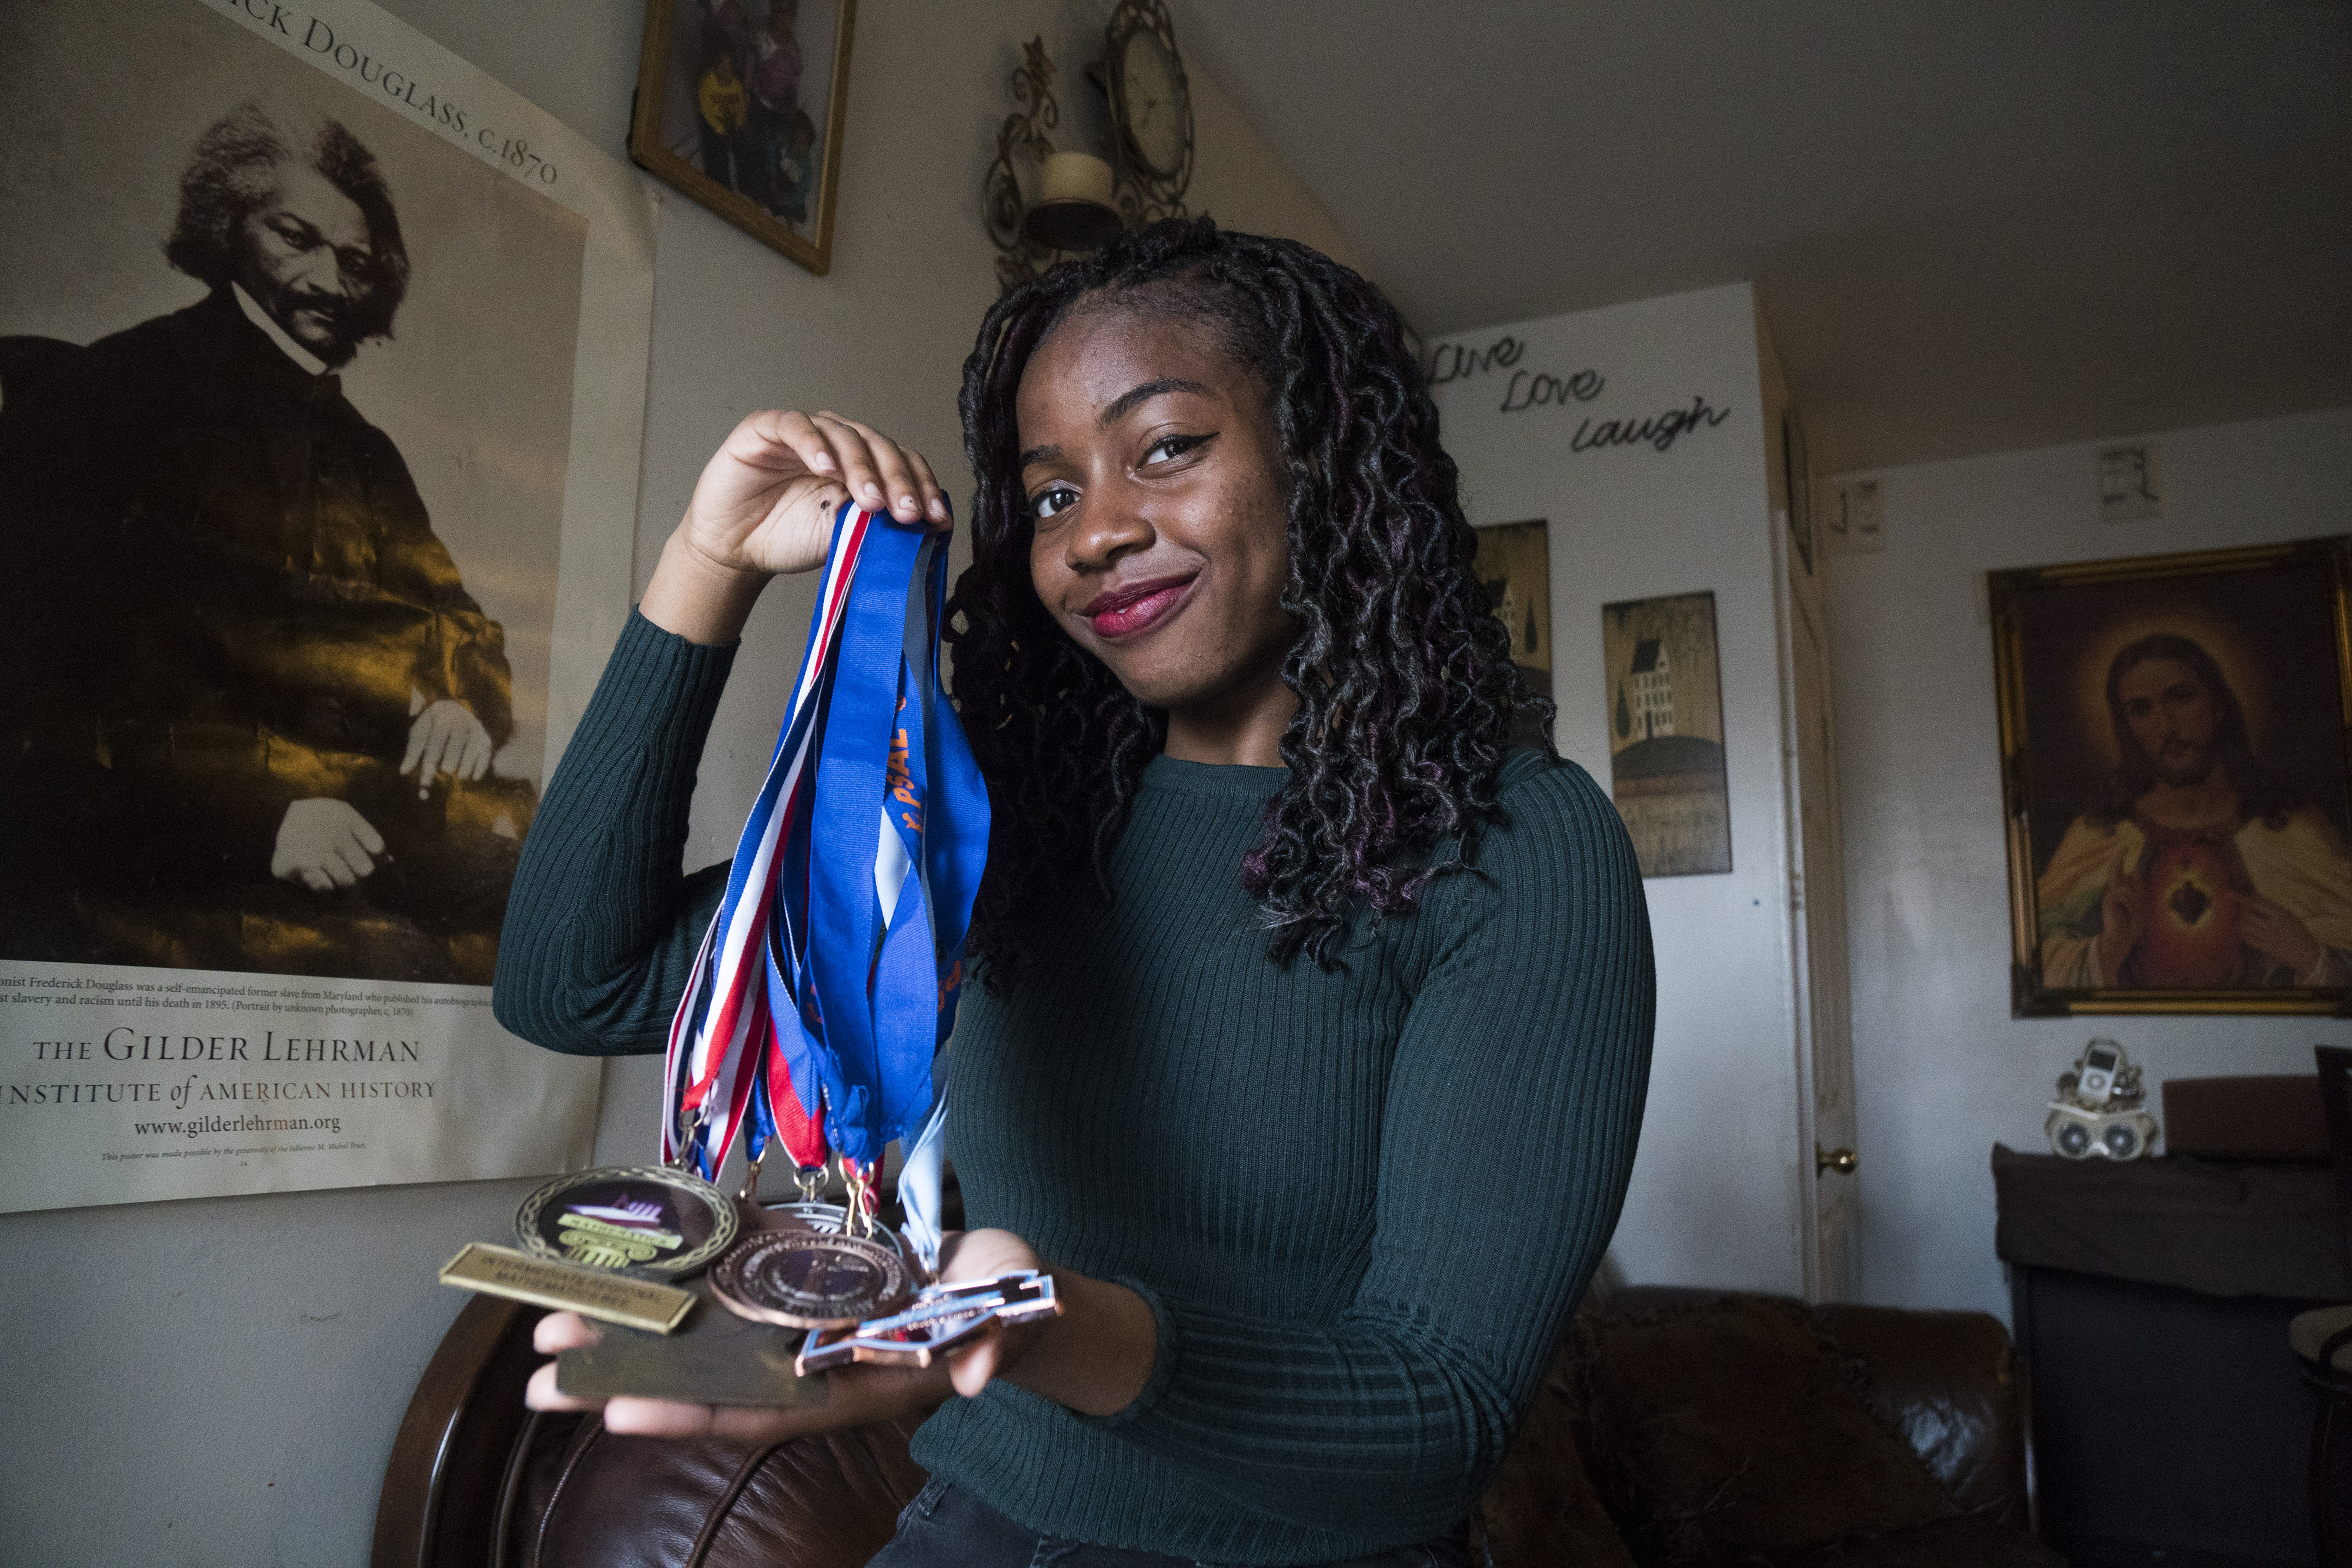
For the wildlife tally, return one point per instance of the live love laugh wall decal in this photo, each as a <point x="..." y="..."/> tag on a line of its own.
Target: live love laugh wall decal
<point x="1526" y="390"/>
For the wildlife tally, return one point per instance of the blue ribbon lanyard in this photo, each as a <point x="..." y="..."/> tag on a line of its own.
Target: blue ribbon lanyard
<point x="831" y="973"/>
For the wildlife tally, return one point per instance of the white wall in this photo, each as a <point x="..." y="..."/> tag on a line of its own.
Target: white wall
<point x="218" y="1382"/>
<point x="1714" y="1192"/>
<point x="1942" y="1071"/>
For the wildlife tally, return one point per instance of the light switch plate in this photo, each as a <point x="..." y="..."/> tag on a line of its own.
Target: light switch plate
<point x="2131" y="482"/>
<point x="1857" y="519"/>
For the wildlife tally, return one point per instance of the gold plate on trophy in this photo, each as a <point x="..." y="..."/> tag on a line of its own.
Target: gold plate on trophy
<point x="654" y="1220"/>
<point x="567" y="1287"/>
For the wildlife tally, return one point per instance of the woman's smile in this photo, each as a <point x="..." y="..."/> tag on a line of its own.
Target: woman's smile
<point x="1133" y="609"/>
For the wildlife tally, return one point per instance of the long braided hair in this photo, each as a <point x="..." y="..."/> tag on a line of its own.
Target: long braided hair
<point x="1405" y="684"/>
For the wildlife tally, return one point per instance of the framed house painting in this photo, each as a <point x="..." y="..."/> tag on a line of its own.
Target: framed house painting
<point x="1797" y="473"/>
<point x="2173" y="744"/>
<point x="1515" y="564"/>
<point x="740" y="104"/>
<point x="1665" y="733"/>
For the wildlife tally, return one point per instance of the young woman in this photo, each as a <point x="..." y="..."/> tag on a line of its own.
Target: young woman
<point x="1313" y="1022"/>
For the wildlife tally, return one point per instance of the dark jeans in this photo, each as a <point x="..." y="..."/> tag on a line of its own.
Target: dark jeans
<point x="946" y="1527"/>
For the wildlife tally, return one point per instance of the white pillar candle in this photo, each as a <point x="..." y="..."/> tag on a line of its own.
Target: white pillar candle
<point x="1077" y="177"/>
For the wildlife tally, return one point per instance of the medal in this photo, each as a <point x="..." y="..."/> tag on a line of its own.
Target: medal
<point x="812" y="1280"/>
<point x="830" y="972"/>
<point x="824" y="988"/>
<point x="651" y="1220"/>
<point x="831" y="1269"/>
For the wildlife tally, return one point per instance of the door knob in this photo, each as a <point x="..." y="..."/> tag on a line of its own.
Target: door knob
<point x="1842" y="1161"/>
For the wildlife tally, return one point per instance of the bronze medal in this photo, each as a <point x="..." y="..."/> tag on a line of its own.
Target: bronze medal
<point x="652" y="1220"/>
<point x="811" y="1281"/>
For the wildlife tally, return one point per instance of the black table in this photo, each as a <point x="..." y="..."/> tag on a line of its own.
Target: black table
<point x="2151" y="1298"/>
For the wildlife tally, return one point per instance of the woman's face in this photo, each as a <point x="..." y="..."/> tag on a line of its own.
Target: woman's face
<point x="1154" y="475"/>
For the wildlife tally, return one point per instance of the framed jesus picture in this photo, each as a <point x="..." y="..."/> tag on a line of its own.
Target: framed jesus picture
<point x="2173" y="740"/>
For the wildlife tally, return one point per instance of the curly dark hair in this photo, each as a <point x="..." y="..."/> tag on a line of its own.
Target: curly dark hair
<point x="234" y="168"/>
<point x="1405" y="683"/>
<point x="2262" y="795"/>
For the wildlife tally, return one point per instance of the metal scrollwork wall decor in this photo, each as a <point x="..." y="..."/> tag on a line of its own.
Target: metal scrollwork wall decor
<point x="1081" y="201"/>
<point x="1019" y="258"/>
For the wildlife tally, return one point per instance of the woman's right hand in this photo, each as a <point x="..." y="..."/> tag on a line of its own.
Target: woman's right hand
<point x="766" y="502"/>
<point x="854" y="1395"/>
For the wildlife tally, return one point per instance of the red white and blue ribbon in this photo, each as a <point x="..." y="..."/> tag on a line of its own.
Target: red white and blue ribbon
<point x="830" y="975"/>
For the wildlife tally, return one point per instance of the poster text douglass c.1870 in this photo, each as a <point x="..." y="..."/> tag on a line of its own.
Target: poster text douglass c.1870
<point x="321" y="380"/>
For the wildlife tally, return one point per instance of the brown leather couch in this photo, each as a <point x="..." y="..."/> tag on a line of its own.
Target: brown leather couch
<point x="476" y="1482"/>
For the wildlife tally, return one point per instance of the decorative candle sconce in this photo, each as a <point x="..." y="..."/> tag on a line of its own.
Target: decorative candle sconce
<point x="1073" y="211"/>
<point x="1084" y="202"/>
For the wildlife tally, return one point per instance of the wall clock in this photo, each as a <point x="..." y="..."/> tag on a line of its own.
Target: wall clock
<point x="1151" y="111"/>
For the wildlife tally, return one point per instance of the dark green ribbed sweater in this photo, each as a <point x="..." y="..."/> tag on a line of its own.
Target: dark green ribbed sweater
<point x="1360" y="1202"/>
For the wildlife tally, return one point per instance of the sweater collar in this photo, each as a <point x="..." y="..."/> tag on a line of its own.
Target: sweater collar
<point x="1229" y="780"/>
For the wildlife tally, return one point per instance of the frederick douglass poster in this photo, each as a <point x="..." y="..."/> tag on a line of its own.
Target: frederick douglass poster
<point x="321" y="380"/>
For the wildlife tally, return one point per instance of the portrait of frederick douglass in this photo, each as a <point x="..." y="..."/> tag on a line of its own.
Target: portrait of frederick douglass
<point x="2180" y="844"/>
<point x="256" y="709"/>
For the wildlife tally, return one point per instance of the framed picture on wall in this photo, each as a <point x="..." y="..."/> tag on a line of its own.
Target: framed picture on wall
<point x="2173" y="742"/>
<point x="740" y="105"/>
<point x="1515" y="564"/>
<point x="1665" y="732"/>
<point x="287" y="673"/>
<point x="1797" y="473"/>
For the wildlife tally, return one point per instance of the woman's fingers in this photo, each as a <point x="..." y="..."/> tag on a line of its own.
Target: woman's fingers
<point x="541" y="1392"/>
<point x="857" y="468"/>
<point x="935" y="498"/>
<point x="564" y="1331"/>
<point x="632" y="1418"/>
<point x="967" y="1254"/>
<point x="874" y="466"/>
<point x="901" y="481"/>
<point x="854" y="1396"/>
<point x="764" y="505"/>
<point x="974" y="1366"/>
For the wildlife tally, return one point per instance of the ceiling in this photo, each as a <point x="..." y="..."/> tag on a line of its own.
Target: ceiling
<point x="1975" y="226"/>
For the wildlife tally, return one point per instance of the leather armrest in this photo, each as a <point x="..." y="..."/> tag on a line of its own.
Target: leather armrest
<point x="1951" y="1382"/>
<point x="443" y="1485"/>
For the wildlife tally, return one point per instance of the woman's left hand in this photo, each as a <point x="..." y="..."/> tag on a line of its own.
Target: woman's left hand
<point x="1093" y="1359"/>
<point x="968" y="1255"/>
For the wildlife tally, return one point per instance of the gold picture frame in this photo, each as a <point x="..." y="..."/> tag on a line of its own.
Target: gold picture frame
<point x="724" y="112"/>
<point x="1514" y="562"/>
<point x="1668" y="769"/>
<point x="2176" y="779"/>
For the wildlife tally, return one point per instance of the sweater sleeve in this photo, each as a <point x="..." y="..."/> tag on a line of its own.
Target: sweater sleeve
<point x="602" y="929"/>
<point x="1506" y="1143"/>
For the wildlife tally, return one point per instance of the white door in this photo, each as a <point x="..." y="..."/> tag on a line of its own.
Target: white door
<point x="1817" y="910"/>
